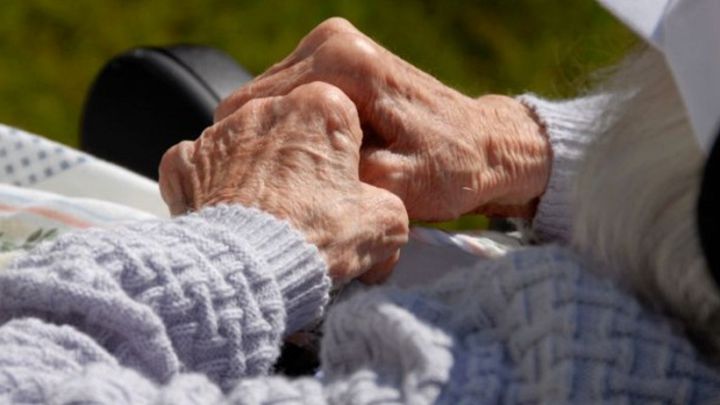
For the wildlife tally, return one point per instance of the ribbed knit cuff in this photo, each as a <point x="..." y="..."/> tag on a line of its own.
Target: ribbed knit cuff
<point x="299" y="269"/>
<point x="571" y="126"/>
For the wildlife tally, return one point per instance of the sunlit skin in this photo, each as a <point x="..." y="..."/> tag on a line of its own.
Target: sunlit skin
<point x="443" y="153"/>
<point x="296" y="157"/>
<point x="345" y="140"/>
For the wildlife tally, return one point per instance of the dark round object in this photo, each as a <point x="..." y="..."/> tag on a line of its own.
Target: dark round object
<point x="148" y="99"/>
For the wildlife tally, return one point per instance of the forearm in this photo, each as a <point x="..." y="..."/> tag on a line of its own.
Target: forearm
<point x="211" y="292"/>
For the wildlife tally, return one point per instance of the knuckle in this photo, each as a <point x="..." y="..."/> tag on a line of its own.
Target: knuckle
<point x="332" y="26"/>
<point x="321" y="96"/>
<point x="324" y="103"/>
<point x="330" y="95"/>
<point x="339" y="24"/>
<point x="351" y="49"/>
<point x="173" y="155"/>
<point x="353" y="56"/>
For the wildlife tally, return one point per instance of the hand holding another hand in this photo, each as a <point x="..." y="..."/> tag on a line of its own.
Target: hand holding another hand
<point x="444" y="154"/>
<point x="289" y="142"/>
<point x="295" y="156"/>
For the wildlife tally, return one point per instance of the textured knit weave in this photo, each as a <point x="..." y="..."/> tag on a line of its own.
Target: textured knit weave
<point x="571" y="126"/>
<point x="191" y="311"/>
<point x="534" y="327"/>
<point x="211" y="293"/>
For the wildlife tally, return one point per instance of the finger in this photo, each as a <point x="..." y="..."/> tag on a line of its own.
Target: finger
<point x="346" y="60"/>
<point x="315" y="38"/>
<point x="419" y="187"/>
<point x="278" y="79"/>
<point x="278" y="83"/>
<point x="380" y="272"/>
<point x="174" y="170"/>
<point x="388" y="224"/>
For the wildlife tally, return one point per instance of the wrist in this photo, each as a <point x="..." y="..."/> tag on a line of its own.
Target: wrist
<point x="297" y="266"/>
<point x="518" y="155"/>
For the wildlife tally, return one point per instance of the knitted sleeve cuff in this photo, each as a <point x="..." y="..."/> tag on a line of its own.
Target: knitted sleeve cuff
<point x="211" y="291"/>
<point x="571" y="126"/>
<point x="298" y="267"/>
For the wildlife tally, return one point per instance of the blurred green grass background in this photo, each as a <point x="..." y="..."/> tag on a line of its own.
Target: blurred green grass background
<point x="50" y="50"/>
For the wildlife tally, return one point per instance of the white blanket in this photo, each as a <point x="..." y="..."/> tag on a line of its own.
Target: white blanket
<point x="30" y="161"/>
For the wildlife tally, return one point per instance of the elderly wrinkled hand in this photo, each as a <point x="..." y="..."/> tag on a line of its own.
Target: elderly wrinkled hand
<point x="296" y="157"/>
<point x="444" y="154"/>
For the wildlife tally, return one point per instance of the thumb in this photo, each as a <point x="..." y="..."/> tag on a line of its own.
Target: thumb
<point x="174" y="169"/>
<point x="388" y="226"/>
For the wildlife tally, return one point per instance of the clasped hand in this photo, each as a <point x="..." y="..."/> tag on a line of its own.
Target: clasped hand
<point x="345" y="140"/>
